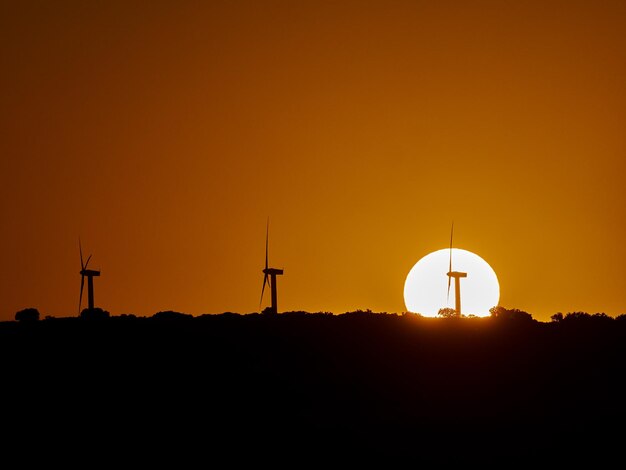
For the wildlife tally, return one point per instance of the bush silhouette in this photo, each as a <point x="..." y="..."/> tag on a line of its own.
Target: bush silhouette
<point x="171" y="315"/>
<point x="95" y="313"/>
<point x="513" y="314"/>
<point x="27" y="315"/>
<point x="446" y="312"/>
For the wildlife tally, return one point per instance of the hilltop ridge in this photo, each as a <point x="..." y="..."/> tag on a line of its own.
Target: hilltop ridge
<point x="390" y="385"/>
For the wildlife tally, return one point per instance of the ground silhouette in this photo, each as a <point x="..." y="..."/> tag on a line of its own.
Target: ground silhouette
<point x="301" y="388"/>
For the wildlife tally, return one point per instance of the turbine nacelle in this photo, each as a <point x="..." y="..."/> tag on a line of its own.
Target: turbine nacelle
<point x="456" y="274"/>
<point x="89" y="272"/>
<point x="272" y="271"/>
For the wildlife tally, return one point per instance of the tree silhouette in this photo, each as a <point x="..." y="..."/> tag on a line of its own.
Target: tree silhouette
<point x="584" y="318"/>
<point x="171" y="315"/>
<point x="497" y="311"/>
<point x="513" y="314"/>
<point x="95" y="313"/>
<point x="557" y="317"/>
<point x="621" y="317"/>
<point x="27" y="315"/>
<point x="447" y="312"/>
<point x="268" y="311"/>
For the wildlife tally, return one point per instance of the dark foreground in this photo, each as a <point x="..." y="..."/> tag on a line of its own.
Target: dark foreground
<point x="299" y="390"/>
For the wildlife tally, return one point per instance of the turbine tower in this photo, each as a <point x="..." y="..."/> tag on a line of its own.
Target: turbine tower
<point x="270" y="274"/>
<point x="89" y="274"/>
<point x="457" y="275"/>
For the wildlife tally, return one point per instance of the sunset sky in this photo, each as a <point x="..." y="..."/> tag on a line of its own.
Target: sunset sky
<point x="164" y="134"/>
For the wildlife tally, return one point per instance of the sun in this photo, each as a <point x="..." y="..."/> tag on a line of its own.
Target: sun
<point x="426" y="285"/>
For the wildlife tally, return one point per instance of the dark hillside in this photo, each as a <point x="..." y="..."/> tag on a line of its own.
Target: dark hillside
<point x="312" y="387"/>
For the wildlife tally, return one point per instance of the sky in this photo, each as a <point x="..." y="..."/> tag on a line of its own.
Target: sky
<point x="164" y="134"/>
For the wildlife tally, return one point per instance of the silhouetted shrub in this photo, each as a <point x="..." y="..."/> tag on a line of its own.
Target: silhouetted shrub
<point x="95" y="313"/>
<point x="446" y="313"/>
<point x="513" y="314"/>
<point x="358" y="313"/>
<point x="557" y="317"/>
<point x="27" y="315"/>
<point x="171" y="315"/>
<point x="268" y="311"/>
<point x="584" y="318"/>
<point x="496" y="311"/>
<point x="230" y="314"/>
<point x="295" y="313"/>
<point x="601" y="316"/>
<point x="571" y="316"/>
<point x="411" y="314"/>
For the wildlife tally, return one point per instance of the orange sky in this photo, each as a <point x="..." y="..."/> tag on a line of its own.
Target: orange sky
<point x="165" y="133"/>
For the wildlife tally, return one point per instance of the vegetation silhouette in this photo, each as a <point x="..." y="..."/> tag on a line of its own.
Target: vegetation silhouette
<point x="303" y="388"/>
<point x="94" y="313"/>
<point x="27" y="315"/>
<point x="447" y="312"/>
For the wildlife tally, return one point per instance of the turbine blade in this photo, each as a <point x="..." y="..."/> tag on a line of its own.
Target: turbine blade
<point x="80" y="248"/>
<point x="80" y="297"/>
<point x="451" y="233"/>
<point x="450" y="263"/>
<point x="87" y="262"/>
<point x="267" y="237"/>
<point x="265" y="281"/>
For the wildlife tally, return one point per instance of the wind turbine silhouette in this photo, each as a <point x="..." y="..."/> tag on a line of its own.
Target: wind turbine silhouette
<point x="457" y="280"/>
<point x="89" y="274"/>
<point x="270" y="274"/>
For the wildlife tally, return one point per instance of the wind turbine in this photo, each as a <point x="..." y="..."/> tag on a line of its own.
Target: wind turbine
<point x="89" y="274"/>
<point x="457" y="280"/>
<point x="270" y="274"/>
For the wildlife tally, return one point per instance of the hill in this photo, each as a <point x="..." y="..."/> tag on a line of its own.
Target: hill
<point x="301" y="388"/>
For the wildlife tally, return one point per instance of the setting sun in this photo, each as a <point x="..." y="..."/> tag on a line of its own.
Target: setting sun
<point x="426" y="285"/>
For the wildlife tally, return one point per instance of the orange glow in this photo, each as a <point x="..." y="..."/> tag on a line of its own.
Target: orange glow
<point x="165" y="135"/>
